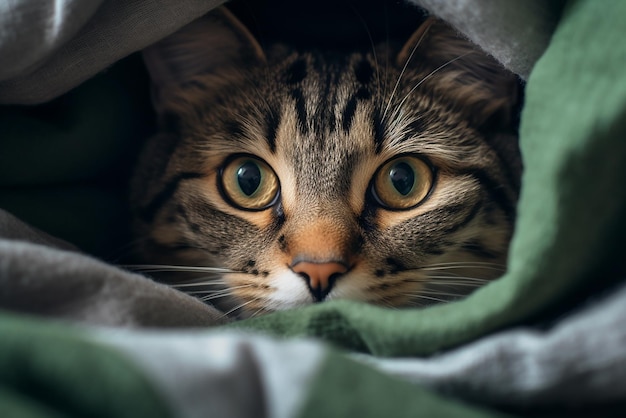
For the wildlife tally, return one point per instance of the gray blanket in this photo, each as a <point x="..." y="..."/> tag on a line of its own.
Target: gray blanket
<point x="69" y="41"/>
<point x="42" y="275"/>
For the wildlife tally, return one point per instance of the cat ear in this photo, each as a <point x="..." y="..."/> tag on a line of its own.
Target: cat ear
<point x="476" y="83"/>
<point x="215" y="42"/>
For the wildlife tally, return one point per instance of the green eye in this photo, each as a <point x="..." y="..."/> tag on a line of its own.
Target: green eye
<point x="402" y="183"/>
<point x="249" y="183"/>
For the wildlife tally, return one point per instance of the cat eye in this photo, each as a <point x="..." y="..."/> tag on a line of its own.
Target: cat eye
<point x="402" y="183"/>
<point x="248" y="183"/>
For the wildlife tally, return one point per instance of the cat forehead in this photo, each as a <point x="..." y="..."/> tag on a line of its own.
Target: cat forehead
<point x="300" y="102"/>
<point x="326" y="102"/>
<point x="351" y="104"/>
<point x="315" y="67"/>
<point x="314" y="107"/>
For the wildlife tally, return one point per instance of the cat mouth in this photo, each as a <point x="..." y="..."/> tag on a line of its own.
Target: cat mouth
<point x="319" y="276"/>
<point x="318" y="289"/>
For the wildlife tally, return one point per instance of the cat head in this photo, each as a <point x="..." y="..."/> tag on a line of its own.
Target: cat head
<point x="388" y="176"/>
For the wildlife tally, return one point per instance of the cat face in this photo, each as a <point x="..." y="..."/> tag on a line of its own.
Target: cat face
<point x="315" y="177"/>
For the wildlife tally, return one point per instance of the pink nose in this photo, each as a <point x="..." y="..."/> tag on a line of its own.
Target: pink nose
<point x="319" y="275"/>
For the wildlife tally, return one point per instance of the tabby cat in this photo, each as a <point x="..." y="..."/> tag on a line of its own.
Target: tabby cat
<point x="388" y="175"/>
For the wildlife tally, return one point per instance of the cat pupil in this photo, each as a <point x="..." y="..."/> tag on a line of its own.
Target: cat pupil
<point x="249" y="178"/>
<point x="402" y="177"/>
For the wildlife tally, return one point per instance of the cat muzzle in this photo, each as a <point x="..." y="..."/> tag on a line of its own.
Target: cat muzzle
<point x="319" y="277"/>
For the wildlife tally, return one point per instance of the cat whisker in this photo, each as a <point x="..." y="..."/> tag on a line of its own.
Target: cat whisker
<point x="381" y="299"/>
<point x="406" y="64"/>
<point x="444" y="273"/>
<point x="460" y="278"/>
<point x="240" y="306"/>
<point x="445" y="263"/>
<point x="209" y="291"/>
<point x="464" y="289"/>
<point x="463" y="282"/>
<point x="202" y="292"/>
<point x="446" y="267"/>
<point x="437" y="293"/>
<point x="157" y="268"/>
<point x="212" y="294"/>
<point x="198" y="283"/>
<point x="259" y="311"/>
<point x="456" y="275"/>
<point x="430" y="298"/>
<point x="208" y="300"/>
<point x="230" y="288"/>
<point x="388" y="304"/>
<point x="428" y="76"/>
<point x="448" y="273"/>
<point x="202" y="282"/>
<point x="215" y="294"/>
<point x="462" y="265"/>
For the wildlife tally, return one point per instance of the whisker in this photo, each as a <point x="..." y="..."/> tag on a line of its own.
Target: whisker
<point x="258" y="311"/>
<point x="469" y="263"/>
<point x="461" y="278"/>
<point x="210" y="292"/>
<point x="467" y="287"/>
<point x="446" y="269"/>
<point x="434" y="267"/>
<point x="437" y="293"/>
<point x="202" y="292"/>
<point x="388" y="304"/>
<point x="433" y="72"/>
<point x="230" y="288"/>
<point x="196" y="284"/>
<point x="155" y="268"/>
<point x="240" y="306"/>
<point x="460" y="283"/>
<point x="453" y="279"/>
<point x="216" y="296"/>
<point x="406" y="64"/>
<point x="421" y="296"/>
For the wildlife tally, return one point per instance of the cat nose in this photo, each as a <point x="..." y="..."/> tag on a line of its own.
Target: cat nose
<point x="319" y="276"/>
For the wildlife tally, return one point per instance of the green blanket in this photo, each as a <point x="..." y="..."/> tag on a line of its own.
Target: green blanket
<point x="566" y="250"/>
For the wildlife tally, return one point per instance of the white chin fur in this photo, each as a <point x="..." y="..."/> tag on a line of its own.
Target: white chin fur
<point x="290" y="291"/>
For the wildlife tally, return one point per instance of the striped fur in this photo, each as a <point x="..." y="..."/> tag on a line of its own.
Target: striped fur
<point x="325" y="123"/>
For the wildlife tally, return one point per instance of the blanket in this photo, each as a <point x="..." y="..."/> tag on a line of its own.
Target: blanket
<point x="82" y="337"/>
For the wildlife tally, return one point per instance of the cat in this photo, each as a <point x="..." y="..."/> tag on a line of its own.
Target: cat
<point x="281" y="178"/>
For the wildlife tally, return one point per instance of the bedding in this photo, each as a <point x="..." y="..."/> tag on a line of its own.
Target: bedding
<point x="84" y="337"/>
